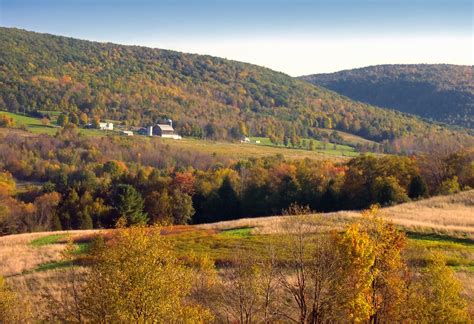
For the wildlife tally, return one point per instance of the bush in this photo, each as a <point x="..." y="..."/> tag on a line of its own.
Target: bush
<point x="6" y="121"/>
<point x="449" y="186"/>
<point x="387" y="191"/>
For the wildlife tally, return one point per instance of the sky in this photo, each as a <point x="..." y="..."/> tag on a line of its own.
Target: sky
<point x="296" y="37"/>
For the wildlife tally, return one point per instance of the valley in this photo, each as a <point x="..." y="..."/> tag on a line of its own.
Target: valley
<point x="148" y="185"/>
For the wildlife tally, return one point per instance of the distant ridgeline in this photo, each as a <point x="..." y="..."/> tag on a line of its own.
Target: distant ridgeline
<point x="439" y="92"/>
<point x="206" y="96"/>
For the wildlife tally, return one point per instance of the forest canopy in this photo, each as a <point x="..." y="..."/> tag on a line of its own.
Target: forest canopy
<point x="439" y="92"/>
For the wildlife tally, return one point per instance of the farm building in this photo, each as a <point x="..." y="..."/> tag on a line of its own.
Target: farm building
<point x="162" y="130"/>
<point x="126" y="133"/>
<point x="106" y="126"/>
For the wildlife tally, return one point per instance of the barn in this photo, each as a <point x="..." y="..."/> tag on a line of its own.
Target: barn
<point x="163" y="130"/>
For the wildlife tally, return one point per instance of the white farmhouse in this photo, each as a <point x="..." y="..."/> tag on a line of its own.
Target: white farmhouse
<point x="106" y="126"/>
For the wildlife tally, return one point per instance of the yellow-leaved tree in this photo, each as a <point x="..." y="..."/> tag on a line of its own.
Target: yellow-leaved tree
<point x="435" y="294"/>
<point x="388" y="289"/>
<point x="135" y="276"/>
<point x="357" y="256"/>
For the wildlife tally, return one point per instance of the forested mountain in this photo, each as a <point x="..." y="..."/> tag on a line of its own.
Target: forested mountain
<point x="440" y="92"/>
<point x="206" y="96"/>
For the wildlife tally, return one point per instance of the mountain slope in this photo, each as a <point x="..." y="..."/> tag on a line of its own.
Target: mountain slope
<point x="440" y="92"/>
<point x="206" y="96"/>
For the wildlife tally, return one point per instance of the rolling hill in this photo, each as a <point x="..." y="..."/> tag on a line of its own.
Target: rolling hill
<point x="205" y="96"/>
<point x="438" y="92"/>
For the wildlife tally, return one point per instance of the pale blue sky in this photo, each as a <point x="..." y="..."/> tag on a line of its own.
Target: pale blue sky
<point x="296" y="37"/>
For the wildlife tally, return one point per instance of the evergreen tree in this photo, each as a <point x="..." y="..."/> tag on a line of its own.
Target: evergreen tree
<point x="288" y="193"/>
<point x="329" y="200"/>
<point x="129" y="204"/>
<point x="388" y="191"/>
<point x="417" y="188"/>
<point x="229" y="203"/>
<point x="82" y="220"/>
<point x="68" y="210"/>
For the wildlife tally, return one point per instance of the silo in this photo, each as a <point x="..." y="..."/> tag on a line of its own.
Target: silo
<point x="149" y="131"/>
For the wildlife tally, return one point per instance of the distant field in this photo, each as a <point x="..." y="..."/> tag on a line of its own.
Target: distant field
<point x="35" y="126"/>
<point x="326" y="148"/>
<point x="231" y="150"/>
<point x="32" y="262"/>
<point x="350" y="138"/>
<point x="246" y="150"/>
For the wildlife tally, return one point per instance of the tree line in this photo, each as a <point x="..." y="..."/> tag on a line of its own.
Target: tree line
<point x="78" y="182"/>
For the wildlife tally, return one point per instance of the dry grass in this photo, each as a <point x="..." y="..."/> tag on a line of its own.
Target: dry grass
<point x="467" y="280"/>
<point x="279" y="224"/>
<point x="452" y="215"/>
<point x="33" y="287"/>
<point x="17" y="255"/>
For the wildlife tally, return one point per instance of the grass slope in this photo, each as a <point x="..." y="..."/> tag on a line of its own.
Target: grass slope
<point x="35" y="125"/>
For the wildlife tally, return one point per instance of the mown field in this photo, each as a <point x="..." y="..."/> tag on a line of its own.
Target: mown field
<point x="326" y="148"/>
<point x="31" y="262"/>
<point x="248" y="150"/>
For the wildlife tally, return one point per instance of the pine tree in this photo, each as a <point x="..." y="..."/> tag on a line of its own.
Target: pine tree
<point x="417" y="187"/>
<point x="129" y="204"/>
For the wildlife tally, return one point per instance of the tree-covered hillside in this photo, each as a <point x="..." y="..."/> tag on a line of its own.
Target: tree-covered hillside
<point x="440" y="92"/>
<point x="206" y="96"/>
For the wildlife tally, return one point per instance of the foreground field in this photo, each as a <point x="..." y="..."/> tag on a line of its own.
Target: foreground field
<point x="34" y="262"/>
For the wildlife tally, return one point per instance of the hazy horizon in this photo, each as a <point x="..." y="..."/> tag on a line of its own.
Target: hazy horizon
<point x="294" y="37"/>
